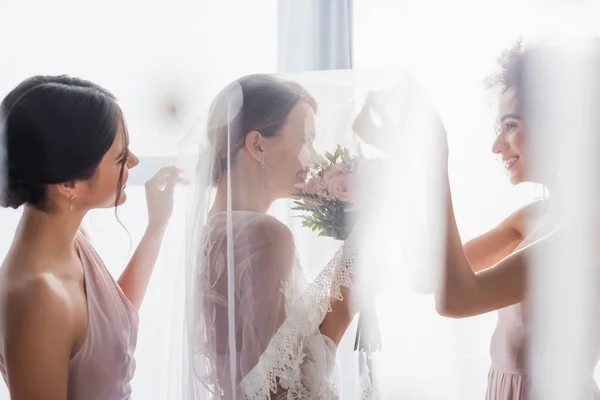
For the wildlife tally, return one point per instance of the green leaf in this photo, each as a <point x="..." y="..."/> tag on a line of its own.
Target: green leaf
<point x="338" y="151"/>
<point x="330" y="157"/>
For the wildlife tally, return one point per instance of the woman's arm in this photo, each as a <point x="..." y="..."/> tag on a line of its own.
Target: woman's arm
<point x="38" y="324"/>
<point x="268" y="273"/>
<point x="272" y="263"/>
<point x="337" y="321"/>
<point x="486" y="250"/>
<point x="465" y="293"/>
<point x="136" y="276"/>
<point x="159" y="196"/>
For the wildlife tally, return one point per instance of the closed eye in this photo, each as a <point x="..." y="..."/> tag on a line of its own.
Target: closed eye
<point x="309" y="138"/>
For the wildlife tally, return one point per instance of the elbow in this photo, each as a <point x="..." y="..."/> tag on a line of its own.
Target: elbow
<point x="442" y="307"/>
<point x="451" y="308"/>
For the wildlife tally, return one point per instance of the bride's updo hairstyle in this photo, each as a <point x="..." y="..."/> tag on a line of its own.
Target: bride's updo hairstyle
<point x="54" y="129"/>
<point x="259" y="103"/>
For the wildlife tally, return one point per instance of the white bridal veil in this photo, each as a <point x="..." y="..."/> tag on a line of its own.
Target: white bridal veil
<point x="280" y="301"/>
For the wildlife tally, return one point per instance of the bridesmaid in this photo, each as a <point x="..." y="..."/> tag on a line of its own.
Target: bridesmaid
<point x="489" y="273"/>
<point x="471" y="287"/>
<point x="68" y="329"/>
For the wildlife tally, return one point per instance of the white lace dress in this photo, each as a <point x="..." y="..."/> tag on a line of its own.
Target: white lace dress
<point x="279" y="352"/>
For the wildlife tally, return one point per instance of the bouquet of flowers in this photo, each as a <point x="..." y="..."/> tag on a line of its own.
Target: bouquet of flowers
<point x="328" y="195"/>
<point x="330" y="200"/>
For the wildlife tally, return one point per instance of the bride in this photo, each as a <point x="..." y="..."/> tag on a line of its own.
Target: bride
<point x="253" y="327"/>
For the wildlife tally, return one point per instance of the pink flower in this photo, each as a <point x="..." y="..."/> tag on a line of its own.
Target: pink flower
<point x="340" y="187"/>
<point x="313" y="186"/>
<point x="334" y="172"/>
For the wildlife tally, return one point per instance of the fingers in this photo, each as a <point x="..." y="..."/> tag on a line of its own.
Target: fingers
<point x="373" y="104"/>
<point x="164" y="172"/>
<point x="362" y="123"/>
<point x="172" y="179"/>
<point x="166" y="178"/>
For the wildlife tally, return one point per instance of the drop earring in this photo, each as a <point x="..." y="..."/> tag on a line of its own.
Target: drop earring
<point x="262" y="181"/>
<point x="71" y="203"/>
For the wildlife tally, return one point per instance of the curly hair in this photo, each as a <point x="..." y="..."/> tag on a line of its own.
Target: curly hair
<point x="510" y="68"/>
<point x="513" y="62"/>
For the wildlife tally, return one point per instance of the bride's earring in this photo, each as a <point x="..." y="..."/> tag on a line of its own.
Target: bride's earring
<point x="71" y="203"/>
<point x="262" y="181"/>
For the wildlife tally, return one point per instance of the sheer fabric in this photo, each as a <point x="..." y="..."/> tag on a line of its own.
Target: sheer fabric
<point x="269" y="282"/>
<point x="251" y="318"/>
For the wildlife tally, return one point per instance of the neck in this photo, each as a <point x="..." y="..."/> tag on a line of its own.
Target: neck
<point x="48" y="232"/>
<point x="247" y="193"/>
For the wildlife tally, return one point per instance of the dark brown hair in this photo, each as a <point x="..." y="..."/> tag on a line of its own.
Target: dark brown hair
<point x="252" y="103"/>
<point x="56" y="129"/>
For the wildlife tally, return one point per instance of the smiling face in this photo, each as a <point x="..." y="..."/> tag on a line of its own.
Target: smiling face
<point x="510" y="143"/>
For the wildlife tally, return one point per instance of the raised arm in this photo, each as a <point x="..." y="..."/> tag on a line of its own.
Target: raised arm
<point x="159" y="196"/>
<point x="465" y="293"/>
<point x="39" y="324"/>
<point x="502" y="280"/>
<point x="486" y="250"/>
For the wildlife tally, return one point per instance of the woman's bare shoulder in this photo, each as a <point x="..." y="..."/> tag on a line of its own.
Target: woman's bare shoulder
<point x="29" y="286"/>
<point x="35" y="302"/>
<point x="256" y="226"/>
<point x="527" y="217"/>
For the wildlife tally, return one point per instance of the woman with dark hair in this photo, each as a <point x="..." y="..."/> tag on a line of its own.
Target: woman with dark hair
<point x="68" y="330"/>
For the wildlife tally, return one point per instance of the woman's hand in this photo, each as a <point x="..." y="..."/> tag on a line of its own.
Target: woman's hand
<point x="388" y="119"/>
<point x="378" y="133"/>
<point x="159" y="196"/>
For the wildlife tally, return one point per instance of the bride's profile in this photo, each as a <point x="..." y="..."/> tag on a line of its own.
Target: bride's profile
<point x="242" y="273"/>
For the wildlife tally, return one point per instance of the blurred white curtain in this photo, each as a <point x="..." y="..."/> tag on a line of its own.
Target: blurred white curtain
<point x="315" y="35"/>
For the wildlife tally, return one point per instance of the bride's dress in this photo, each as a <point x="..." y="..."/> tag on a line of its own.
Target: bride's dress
<point x="279" y="348"/>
